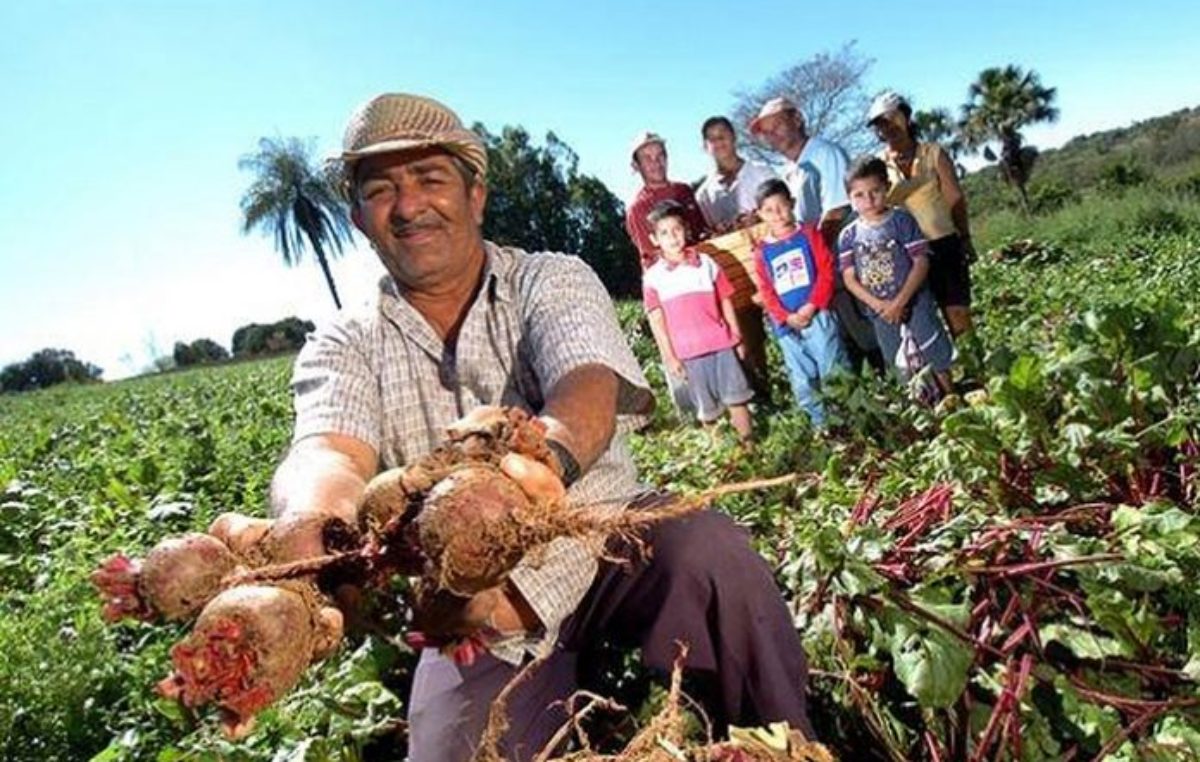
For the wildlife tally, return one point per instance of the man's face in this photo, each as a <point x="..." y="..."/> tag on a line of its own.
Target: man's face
<point x="720" y="144"/>
<point x="781" y="131"/>
<point x="651" y="163"/>
<point x="670" y="235"/>
<point x="421" y="216"/>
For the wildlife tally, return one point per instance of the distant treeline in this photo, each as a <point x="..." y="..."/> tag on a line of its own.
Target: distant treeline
<point x="47" y="367"/>
<point x="251" y="340"/>
<point x="1163" y="150"/>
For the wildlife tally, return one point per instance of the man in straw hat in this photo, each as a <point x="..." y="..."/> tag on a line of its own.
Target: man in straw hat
<point x="462" y="324"/>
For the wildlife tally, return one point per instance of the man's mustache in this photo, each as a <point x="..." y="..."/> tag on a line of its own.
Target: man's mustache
<point x="402" y="228"/>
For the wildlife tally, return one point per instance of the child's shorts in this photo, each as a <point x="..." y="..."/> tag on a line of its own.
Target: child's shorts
<point x="716" y="380"/>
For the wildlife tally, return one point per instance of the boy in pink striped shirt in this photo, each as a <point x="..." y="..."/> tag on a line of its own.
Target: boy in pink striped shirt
<point x="688" y="301"/>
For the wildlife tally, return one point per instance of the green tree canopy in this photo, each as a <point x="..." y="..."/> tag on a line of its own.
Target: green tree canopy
<point x="293" y="200"/>
<point x="538" y="200"/>
<point x="47" y="367"/>
<point x="198" y="352"/>
<point x="1001" y="103"/>
<point x="284" y="335"/>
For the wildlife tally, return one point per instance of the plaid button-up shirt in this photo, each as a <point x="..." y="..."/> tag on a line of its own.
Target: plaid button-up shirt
<point x="387" y="379"/>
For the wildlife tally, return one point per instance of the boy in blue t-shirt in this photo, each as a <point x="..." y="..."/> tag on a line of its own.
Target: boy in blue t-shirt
<point x="795" y="281"/>
<point x="884" y="259"/>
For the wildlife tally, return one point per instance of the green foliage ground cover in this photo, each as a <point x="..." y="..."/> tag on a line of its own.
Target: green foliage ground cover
<point x="905" y="553"/>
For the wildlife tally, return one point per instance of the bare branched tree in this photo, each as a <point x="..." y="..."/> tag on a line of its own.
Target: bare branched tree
<point x="828" y="89"/>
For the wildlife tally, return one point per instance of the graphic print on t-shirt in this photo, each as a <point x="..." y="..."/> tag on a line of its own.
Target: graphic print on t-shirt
<point x="790" y="270"/>
<point x="875" y="262"/>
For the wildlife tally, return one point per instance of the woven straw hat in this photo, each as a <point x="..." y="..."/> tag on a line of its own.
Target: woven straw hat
<point x="401" y="122"/>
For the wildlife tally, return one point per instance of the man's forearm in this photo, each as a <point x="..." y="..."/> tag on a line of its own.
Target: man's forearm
<point x="581" y="412"/>
<point x="322" y="475"/>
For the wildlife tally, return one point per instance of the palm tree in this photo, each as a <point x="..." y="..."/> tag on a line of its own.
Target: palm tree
<point x="295" y="202"/>
<point x="938" y="126"/>
<point x="1002" y="102"/>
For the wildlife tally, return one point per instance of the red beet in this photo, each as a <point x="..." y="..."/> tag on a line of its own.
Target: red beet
<point x="250" y="646"/>
<point x="174" y="581"/>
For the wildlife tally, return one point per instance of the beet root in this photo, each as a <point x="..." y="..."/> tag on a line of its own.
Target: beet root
<point x="250" y="646"/>
<point x="471" y="529"/>
<point x="174" y="581"/>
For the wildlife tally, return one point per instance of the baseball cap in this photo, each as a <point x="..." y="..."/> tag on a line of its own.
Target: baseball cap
<point x="884" y="103"/>
<point x="771" y="108"/>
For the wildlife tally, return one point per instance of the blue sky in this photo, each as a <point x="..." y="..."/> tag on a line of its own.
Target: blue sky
<point x="123" y="121"/>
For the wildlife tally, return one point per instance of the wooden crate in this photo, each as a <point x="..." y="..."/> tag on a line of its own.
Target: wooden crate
<point x="734" y="253"/>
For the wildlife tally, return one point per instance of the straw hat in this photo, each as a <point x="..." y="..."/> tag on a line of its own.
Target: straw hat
<point x="401" y="122"/>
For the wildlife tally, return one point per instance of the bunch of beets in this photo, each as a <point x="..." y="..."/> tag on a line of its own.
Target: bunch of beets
<point x="453" y="520"/>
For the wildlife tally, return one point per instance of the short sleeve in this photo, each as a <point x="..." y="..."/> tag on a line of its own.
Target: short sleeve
<point x="721" y="282"/>
<point x="845" y="253"/>
<point x="650" y="298"/>
<point x="910" y="233"/>
<point x="570" y="322"/>
<point x="335" y="390"/>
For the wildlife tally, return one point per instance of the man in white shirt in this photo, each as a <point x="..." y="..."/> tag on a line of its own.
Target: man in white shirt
<point x="727" y="194"/>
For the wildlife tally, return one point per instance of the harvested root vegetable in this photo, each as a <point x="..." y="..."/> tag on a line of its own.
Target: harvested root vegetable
<point x="174" y="581"/>
<point x="250" y="646"/>
<point x="471" y="529"/>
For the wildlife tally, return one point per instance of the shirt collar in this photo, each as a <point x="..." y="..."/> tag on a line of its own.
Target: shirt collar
<point x="497" y="265"/>
<point x="691" y="258"/>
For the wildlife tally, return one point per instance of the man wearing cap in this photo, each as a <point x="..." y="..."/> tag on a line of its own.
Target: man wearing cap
<point x="648" y="154"/>
<point x="815" y="172"/>
<point x="815" y="169"/>
<point x="462" y="324"/>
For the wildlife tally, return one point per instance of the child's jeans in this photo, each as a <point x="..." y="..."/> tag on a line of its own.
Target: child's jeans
<point x="926" y="327"/>
<point x="811" y="355"/>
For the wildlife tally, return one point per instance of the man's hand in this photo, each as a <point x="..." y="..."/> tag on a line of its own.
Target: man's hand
<point x="462" y="628"/>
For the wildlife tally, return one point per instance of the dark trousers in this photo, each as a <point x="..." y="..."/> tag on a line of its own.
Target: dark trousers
<point x="702" y="584"/>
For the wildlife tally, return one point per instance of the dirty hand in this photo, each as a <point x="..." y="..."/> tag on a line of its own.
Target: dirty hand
<point x="462" y="628"/>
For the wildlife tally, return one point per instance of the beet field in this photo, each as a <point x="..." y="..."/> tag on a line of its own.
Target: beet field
<point x="1011" y="575"/>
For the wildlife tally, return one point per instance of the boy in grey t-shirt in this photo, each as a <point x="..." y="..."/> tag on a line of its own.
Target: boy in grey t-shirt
<point x="884" y="260"/>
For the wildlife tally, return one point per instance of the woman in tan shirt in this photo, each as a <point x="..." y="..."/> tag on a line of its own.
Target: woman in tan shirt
<point x="924" y="182"/>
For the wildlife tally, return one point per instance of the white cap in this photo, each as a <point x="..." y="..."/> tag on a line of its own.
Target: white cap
<point x="884" y="103"/>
